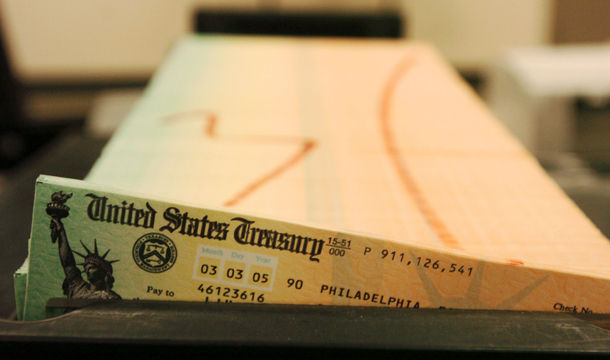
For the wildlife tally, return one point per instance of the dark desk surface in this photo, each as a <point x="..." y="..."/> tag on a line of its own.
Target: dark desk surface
<point x="158" y="329"/>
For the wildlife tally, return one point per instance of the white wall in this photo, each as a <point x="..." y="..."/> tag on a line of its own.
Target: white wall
<point x="105" y="39"/>
<point x="471" y="32"/>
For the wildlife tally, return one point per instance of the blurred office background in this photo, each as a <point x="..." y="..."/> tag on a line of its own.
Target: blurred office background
<point x="542" y="65"/>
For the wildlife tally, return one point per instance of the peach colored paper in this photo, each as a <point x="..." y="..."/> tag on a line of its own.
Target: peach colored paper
<point x="373" y="137"/>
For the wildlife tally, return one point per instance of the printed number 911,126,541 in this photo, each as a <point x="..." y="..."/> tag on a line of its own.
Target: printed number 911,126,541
<point x="427" y="263"/>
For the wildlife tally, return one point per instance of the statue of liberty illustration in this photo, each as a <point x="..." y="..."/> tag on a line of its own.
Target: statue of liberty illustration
<point x="99" y="270"/>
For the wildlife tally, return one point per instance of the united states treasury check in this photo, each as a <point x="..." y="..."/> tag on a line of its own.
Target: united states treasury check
<point x="89" y="241"/>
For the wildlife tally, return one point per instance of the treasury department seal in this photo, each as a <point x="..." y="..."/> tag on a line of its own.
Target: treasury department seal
<point x="154" y="253"/>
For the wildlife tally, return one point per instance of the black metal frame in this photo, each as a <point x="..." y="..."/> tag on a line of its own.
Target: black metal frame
<point x="282" y="23"/>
